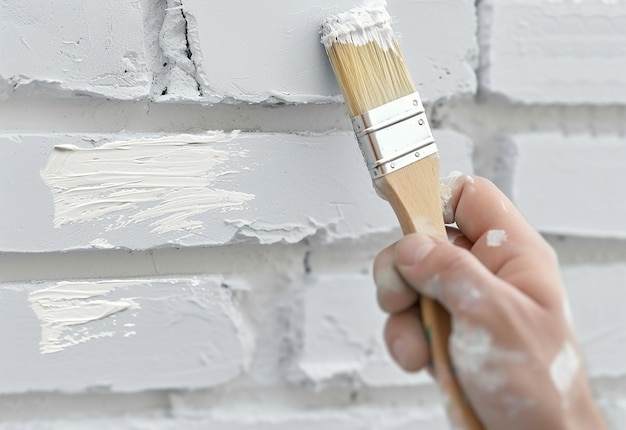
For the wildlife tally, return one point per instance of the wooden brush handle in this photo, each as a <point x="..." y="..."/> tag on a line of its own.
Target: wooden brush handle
<point x="414" y="194"/>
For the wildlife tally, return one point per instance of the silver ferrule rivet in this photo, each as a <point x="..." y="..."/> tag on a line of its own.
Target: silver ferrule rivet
<point x="420" y="121"/>
<point x="417" y="154"/>
<point x="392" y="165"/>
<point x="415" y="102"/>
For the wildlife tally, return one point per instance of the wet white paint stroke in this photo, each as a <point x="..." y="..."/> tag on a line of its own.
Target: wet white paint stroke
<point x="564" y="369"/>
<point x="495" y="238"/>
<point x="100" y="243"/>
<point x="359" y="26"/>
<point x="64" y="311"/>
<point x="165" y="181"/>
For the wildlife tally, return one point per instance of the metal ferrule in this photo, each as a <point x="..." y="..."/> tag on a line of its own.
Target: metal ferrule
<point x="394" y="135"/>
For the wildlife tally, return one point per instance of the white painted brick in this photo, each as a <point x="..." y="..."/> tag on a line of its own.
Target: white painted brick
<point x="96" y="48"/>
<point x="597" y="294"/>
<point x="340" y="419"/>
<point x="563" y="51"/>
<point x="271" y="51"/>
<point x="183" y="333"/>
<point x="456" y="151"/>
<point x="614" y="410"/>
<point x="341" y="333"/>
<point x="567" y="184"/>
<point x="212" y="51"/>
<point x="301" y="186"/>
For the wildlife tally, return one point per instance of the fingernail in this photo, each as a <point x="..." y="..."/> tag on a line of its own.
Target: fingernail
<point x="413" y="248"/>
<point x="453" y="235"/>
<point x="399" y="352"/>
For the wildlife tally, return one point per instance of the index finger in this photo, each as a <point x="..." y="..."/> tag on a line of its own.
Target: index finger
<point x="502" y="239"/>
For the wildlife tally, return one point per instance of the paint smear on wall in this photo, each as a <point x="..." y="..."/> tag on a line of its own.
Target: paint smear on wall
<point x="166" y="181"/>
<point x="65" y="310"/>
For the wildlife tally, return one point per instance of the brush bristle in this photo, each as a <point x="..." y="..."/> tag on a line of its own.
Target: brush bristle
<point x="366" y="59"/>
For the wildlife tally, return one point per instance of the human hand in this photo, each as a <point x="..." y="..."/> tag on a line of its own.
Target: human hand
<point x="512" y="344"/>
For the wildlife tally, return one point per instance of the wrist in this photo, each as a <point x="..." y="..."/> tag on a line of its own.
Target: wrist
<point x="582" y="410"/>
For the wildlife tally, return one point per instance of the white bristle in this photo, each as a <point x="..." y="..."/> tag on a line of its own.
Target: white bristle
<point x="359" y="26"/>
<point x="366" y="58"/>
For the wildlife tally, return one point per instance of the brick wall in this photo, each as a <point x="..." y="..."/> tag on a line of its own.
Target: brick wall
<point x="251" y="304"/>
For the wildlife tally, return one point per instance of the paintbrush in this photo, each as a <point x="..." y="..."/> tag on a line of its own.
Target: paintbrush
<point x="392" y="130"/>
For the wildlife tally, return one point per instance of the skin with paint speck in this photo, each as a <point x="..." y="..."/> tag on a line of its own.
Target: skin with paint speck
<point x="512" y="345"/>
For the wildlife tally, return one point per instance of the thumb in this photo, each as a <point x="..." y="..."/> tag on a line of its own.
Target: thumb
<point x="445" y="272"/>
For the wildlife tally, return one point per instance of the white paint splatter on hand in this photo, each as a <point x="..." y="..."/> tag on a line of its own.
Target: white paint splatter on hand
<point x="495" y="238"/>
<point x="480" y="361"/>
<point x="463" y="294"/>
<point x="564" y="369"/>
<point x="472" y="349"/>
<point x="446" y="190"/>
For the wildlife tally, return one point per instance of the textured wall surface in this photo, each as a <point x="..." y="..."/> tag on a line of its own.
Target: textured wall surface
<point x="187" y="226"/>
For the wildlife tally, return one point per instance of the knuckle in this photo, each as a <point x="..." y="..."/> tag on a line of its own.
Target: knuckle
<point x="552" y="255"/>
<point x="482" y="182"/>
<point x="383" y="259"/>
<point x="392" y="293"/>
<point x="450" y="260"/>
